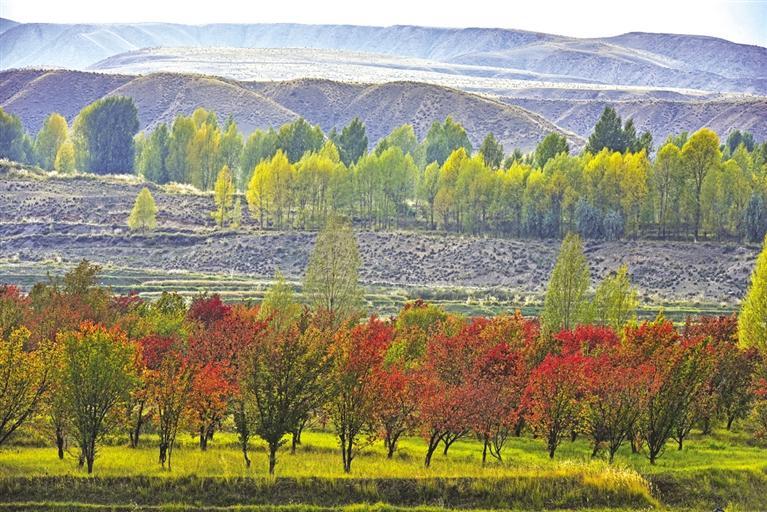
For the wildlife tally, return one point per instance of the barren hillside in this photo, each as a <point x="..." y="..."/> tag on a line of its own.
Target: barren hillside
<point x="32" y="95"/>
<point x="74" y="218"/>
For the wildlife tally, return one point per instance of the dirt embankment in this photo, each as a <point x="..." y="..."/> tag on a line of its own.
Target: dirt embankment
<point x="76" y="218"/>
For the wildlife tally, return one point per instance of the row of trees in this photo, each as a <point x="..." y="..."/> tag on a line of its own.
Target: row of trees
<point x="293" y="177"/>
<point x="89" y="363"/>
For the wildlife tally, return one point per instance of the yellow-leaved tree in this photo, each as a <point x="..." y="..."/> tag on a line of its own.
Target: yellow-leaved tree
<point x="752" y="322"/>
<point x="223" y="194"/>
<point x="143" y="217"/>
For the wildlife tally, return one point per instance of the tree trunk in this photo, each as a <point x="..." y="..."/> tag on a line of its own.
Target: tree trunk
<point x="552" y="445"/>
<point x="136" y="431"/>
<point x="434" y="441"/>
<point x="272" y="458"/>
<point x="60" y="442"/>
<point x="203" y="439"/>
<point x="730" y="419"/>
<point x="484" y="451"/>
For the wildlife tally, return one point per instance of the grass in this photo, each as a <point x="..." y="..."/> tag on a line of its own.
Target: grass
<point x="711" y="471"/>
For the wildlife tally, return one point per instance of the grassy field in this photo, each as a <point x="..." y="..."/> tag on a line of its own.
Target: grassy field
<point x="718" y="470"/>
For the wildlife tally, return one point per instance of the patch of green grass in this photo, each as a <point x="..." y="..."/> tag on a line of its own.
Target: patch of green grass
<point x="711" y="471"/>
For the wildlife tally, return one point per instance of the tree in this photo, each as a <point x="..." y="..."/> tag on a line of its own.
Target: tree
<point x="755" y="222"/>
<point x="284" y="379"/>
<point x="143" y="216"/>
<point x="735" y="138"/>
<point x="14" y="142"/>
<point x="97" y="377"/>
<point x="700" y="156"/>
<point x="442" y="380"/>
<point x="617" y="395"/>
<point x="259" y="146"/>
<point x="551" y="145"/>
<point x="553" y="399"/>
<point x="269" y="190"/>
<point x="24" y="379"/>
<point x="608" y="133"/>
<point x="299" y="137"/>
<point x="224" y="196"/>
<point x="230" y="149"/>
<point x="352" y="143"/>
<point x="279" y="306"/>
<point x="211" y="391"/>
<point x="491" y="151"/>
<point x="170" y="387"/>
<point x="356" y="353"/>
<point x="103" y="135"/>
<point x="65" y="158"/>
<point x="49" y="139"/>
<point x="178" y="162"/>
<point x="331" y="280"/>
<point x="203" y="155"/>
<point x="615" y="301"/>
<point x="152" y="156"/>
<point x="444" y="138"/>
<point x="564" y="306"/>
<point x="395" y="412"/>
<point x="667" y="182"/>
<point x="752" y="321"/>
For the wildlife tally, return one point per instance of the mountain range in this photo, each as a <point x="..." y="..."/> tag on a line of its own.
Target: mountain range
<point x="515" y="83"/>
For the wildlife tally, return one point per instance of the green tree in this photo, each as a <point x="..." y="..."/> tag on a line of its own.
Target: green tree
<point x="332" y="276"/>
<point x="224" y="196"/>
<point x="204" y="158"/>
<point x="752" y="322"/>
<point x="608" y="133"/>
<point x="298" y="137"/>
<point x="428" y="187"/>
<point x="65" y="158"/>
<point x="104" y="133"/>
<point x="49" y="139"/>
<point x="491" y="151"/>
<point x="565" y="304"/>
<point x="97" y="379"/>
<point x="615" y="301"/>
<point x="230" y="148"/>
<point x="444" y="138"/>
<point x="352" y="143"/>
<point x="143" y="216"/>
<point x="668" y="184"/>
<point x="259" y="146"/>
<point x="700" y="155"/>
<point x="178" y="160"/>
<point x="279" y="306"/>
<point x="152" y="156"/>
<point x="14" y="142"/>
<point x="551" y="145"/>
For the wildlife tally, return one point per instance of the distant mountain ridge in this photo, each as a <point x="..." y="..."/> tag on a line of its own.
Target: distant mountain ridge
<point x="33" y="94"/>
<point x="640" y="59"/>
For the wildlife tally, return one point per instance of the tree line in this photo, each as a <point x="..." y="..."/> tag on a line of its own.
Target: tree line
<point x="87" y="363"/>
<point x="694" y="185"/>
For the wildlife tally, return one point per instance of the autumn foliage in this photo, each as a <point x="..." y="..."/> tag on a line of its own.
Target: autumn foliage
<point x="166" y="366"/>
